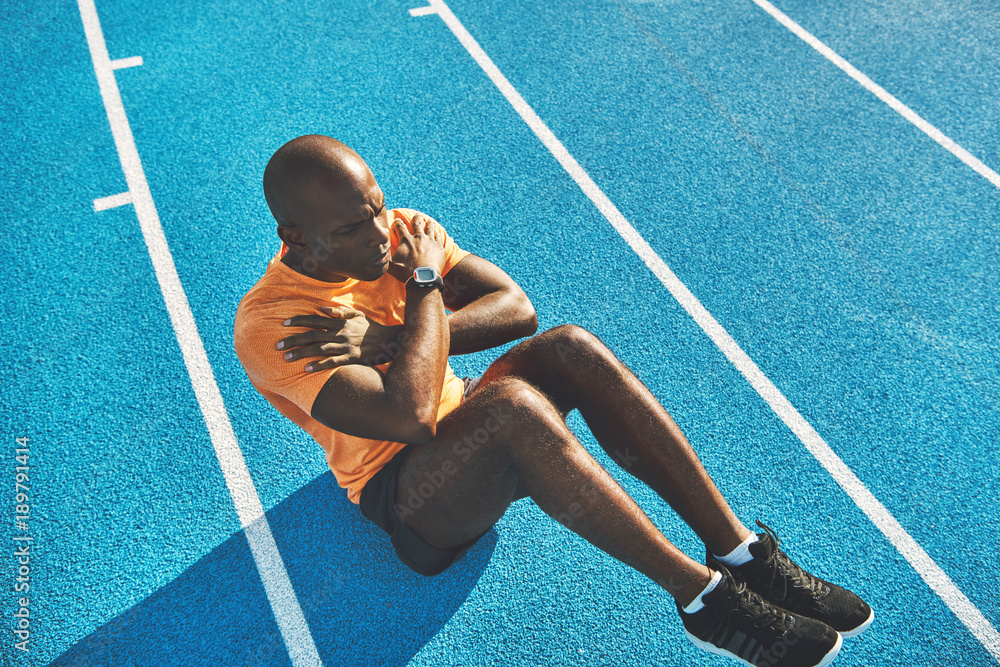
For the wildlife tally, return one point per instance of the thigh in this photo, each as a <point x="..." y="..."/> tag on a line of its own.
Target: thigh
<point x="454" y="488"/>
<point x="552" y="362"/>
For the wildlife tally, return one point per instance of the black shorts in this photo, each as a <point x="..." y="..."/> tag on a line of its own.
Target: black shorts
<point x="378" y="498"/>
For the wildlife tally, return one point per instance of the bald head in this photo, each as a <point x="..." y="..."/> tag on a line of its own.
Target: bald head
<point x="331" y="212"/>
<point x="307" y="173"/>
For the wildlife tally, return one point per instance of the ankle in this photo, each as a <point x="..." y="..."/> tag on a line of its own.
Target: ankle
<point x="733" y="539"/>
<point x="739" y="554"/>
<point x="698" y="584"/>
<point x="697" y="602"/>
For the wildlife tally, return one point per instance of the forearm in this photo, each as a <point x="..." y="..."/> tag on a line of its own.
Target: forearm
<point x="416" y="376"/>
<point x="491" y="320"/>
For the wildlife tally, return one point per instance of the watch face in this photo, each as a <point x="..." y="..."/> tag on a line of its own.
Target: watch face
<point x="424" y="275"/>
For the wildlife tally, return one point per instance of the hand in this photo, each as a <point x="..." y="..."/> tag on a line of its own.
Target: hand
<point x="425" y="247"/>
<point x="346" y="336"/>
<point x="432" y="227"/>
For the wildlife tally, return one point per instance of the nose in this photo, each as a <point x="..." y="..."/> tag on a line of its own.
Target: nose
<point x="381" y="234"/>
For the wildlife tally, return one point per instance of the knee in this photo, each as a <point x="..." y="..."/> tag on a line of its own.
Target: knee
<point x="514" y="401"/>
<point x="569" y="346"/>
<point x="572" y="338"/>
<point x="519" y="418"/>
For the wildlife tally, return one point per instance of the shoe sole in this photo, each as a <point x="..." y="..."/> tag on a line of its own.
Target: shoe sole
<point x="861" y="628"/>
<point x="712" y="648"/>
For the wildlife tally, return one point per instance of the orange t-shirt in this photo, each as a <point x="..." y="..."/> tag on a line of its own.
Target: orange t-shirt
<point x="283" y="292"/>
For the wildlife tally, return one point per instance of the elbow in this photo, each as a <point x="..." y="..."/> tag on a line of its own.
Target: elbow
<point x="421" y="435"/>
<point x="530" y="325"/>
<point x="527" y="319"/>
<point x="423" y="429"/>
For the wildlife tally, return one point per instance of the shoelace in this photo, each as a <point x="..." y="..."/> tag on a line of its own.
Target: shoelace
<point x="799" y="579"/>
<point x="756" y="610"/>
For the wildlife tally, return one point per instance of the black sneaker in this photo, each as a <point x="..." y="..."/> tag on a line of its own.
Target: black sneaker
<point x="738" y="623"/>
<point x="776" y="578"/>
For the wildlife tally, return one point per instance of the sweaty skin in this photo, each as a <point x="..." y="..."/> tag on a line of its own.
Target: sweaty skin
<point x="331" y="214"/>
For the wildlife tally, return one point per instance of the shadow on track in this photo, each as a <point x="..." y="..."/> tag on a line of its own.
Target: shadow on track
<point x="362" y="605"/>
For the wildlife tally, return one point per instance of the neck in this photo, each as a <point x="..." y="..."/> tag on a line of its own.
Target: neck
<point x="297" y="263"/>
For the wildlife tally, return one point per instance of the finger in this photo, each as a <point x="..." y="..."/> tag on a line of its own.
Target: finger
<point x="329" y="362"/>
<point x="341" y="313"/>
<point x="305" y="341"/>
<point x="430" y="227"/>
<point x="322" y="350"/>
<point x="421" y="223"/>
<point x="315" y="321"/>
<point x="402" y="230"/>
<point x="437" y="232"/>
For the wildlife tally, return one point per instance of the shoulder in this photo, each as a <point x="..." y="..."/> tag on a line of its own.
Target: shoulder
<point x="406" y="215"/>
<point x="258" y="326"/>
<point x="260" y="315"/>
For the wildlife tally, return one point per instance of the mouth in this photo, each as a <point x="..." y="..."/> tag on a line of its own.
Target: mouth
<point x="384" y="259"/>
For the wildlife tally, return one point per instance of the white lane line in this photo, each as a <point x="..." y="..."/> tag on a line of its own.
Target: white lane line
<point x="114" y="201"/>
<point x="287" y="612"/>
<point x="931" y="573"/>
<point x="121" y="63"/>
<point x="880" y="92"/>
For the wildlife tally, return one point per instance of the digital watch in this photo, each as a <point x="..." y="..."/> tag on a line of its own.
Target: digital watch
<point x="427" y="276"/>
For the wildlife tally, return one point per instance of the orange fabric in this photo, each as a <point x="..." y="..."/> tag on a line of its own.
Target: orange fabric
<point x="283" y="292"/>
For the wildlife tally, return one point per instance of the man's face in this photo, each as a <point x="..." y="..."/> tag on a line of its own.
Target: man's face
<point x="345" y="228"/>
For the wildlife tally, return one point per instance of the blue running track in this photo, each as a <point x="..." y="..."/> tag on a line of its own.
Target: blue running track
<point x="847" y="253"/>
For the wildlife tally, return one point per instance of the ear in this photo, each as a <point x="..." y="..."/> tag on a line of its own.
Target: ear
<point x="293" y="238"/>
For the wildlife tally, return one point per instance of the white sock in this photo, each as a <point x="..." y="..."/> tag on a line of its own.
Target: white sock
<point x="740" y="554"/>
<point x="697" y="604"/>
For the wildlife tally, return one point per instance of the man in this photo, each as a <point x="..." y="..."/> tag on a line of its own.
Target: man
<point x="348" y="336"/>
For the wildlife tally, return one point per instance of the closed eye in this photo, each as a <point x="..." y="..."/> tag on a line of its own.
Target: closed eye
<point x="361" y="223"/>
<point x="352" y="228"/>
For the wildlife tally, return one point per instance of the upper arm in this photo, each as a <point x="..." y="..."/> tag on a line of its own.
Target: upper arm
<point x="354" y="401"/>
<point x="475" y="277"/>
